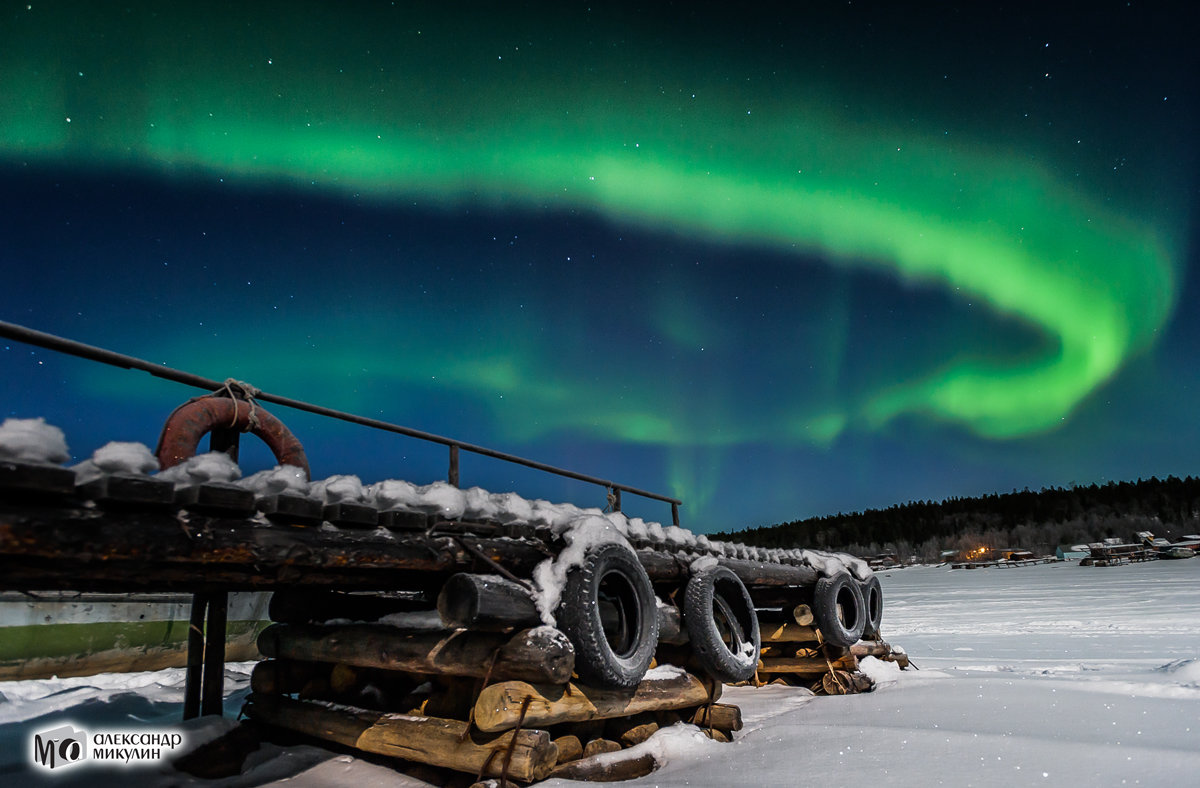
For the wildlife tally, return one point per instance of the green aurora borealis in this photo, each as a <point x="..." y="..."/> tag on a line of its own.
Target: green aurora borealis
<point x="1062" y="273"/>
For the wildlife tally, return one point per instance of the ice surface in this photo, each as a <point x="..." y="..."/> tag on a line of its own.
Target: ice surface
<point x="1076" y="676"/>
<point x="32" y="440"/>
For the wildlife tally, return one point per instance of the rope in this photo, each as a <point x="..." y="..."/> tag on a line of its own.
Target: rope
<point x="239" y="389"/>
<point x="479" y="686"/>
<point x="475" y="551"/>
<point x="512" y="743"/>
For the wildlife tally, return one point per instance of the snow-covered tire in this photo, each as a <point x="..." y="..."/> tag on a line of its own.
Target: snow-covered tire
<point x="721" y="623"/>
<point x="872" y="594"/>
<point x="839" y="609"/>
<point x="617" y="655"/>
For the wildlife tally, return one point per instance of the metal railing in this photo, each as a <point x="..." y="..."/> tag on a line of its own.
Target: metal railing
<point x="42" y="339"/>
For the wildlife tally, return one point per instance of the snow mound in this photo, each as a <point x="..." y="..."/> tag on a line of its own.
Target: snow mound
<point x="337" y="489"/>
<point x="280" y="479"/>
<point x="116" y="457"/>
<point x="213" y="466"/>
<point x="32" y="440"/>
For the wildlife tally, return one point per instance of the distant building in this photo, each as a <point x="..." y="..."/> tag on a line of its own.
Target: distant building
<point x="1071" y="553"/>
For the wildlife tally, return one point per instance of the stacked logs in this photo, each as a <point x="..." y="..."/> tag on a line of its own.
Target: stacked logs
<point x="476" y="685"/>
<point x="795" y="652"/>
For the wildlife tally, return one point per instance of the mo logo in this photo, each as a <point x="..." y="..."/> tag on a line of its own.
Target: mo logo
<point x="59" y="747"/>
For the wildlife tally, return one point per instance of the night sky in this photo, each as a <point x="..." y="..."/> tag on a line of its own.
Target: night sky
<point x="778" y="264"/>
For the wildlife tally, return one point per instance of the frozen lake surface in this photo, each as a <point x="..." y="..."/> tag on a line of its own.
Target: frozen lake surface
<point x="1054" y="675"/>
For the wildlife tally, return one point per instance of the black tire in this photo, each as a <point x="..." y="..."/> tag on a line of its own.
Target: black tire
<point x="613" y="650"/>
<point x="721" y="623"/>
<point x="872" y="594"/>
<point x="839" y="609"/>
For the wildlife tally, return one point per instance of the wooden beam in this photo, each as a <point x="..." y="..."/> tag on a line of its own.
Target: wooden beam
<point x="806" y="664"/>
<point x="499" y="706"/>
<point x="432" y="740"/>
<point x="787" y="632"/>
<point x="540" y="655"/>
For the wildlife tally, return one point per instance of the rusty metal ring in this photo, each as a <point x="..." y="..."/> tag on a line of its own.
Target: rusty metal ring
<point x="193" y="420"/>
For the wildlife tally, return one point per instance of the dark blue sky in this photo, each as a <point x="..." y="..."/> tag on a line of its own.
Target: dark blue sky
<point x="779" y="266"/>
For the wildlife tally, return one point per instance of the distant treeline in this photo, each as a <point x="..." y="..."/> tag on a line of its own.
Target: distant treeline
<point x="1038" y="521"/>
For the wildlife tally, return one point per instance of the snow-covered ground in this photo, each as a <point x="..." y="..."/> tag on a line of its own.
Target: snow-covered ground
<point x="1054" y="675"/>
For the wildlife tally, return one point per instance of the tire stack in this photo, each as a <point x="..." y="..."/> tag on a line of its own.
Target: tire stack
<point x="470" y="680"/>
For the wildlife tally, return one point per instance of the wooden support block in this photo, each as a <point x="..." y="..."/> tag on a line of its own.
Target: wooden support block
<point x="788" y="632"/>
<point x="35" y="479"/>
<point x="432" y="740"/>
<point x="397" y="520"/>
<point x="121" y="489"/>
<point x="216" y="498"/>
<point x="290" y="508"/>
<point x="350" y="514"/>
<point x="716" y="734"/>
<point x="722" y="716"/>
<point x="541" y="655"/>
<point x="499" y="705"/>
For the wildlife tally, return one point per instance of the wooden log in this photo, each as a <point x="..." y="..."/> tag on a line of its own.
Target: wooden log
<point x="67" y="545"/>
<point x="607" y="768"/>
<point x="842" y="682"/>
<point x="486" y="602"/>
<point x="569" y="748"/>
<point x="881" y="650"/>
<point x="541" y="655"/>
<point x="317" y="605"/>
<point x="432" y="740"/>
<point x="630" y="731"/>
<point x="788" y="632"/>
<point x="499" y="705"/>
<point x="670" y="626"/>
<point x="806" y="664"/>
<point x="722" y="716"/>
<point x="665" y="567"/>
<point x="716" y="734"/>
<point x="600" y="747"/>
